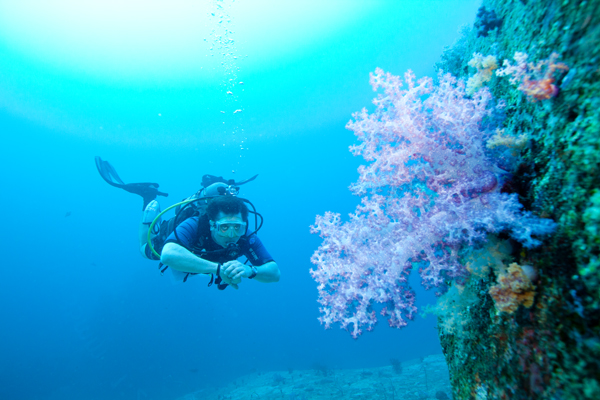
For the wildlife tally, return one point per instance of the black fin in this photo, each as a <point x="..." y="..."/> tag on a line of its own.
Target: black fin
<point x="148" y="190"/>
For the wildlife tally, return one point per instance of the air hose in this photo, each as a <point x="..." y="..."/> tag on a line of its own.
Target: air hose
<point x="158" y="218"/>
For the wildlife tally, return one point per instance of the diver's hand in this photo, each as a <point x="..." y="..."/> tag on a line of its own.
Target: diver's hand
<point x="235" y="270"/>
<point x="231" y="282"/>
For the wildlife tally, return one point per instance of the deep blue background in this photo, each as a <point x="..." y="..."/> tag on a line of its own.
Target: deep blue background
<point x="84" y="316"/>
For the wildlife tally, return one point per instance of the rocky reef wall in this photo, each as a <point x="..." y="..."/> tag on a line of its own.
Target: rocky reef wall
<point x="546" y="343"/>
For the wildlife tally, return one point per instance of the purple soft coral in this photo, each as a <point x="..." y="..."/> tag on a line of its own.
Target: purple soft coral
<point x="428" y="190"/>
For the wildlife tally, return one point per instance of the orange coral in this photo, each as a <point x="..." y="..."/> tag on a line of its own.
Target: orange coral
<point x="542" y="89"/>
<point x="513" y="289"/>
<point x="535" y="80"/>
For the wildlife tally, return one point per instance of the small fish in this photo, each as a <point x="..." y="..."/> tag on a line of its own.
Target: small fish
<point x="67" y="214"/>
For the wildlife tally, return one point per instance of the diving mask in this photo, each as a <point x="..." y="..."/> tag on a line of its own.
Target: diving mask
<point x="230" y="228"/>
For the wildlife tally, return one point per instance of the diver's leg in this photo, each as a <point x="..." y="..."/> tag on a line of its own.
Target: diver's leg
<point x="149" y="214"/>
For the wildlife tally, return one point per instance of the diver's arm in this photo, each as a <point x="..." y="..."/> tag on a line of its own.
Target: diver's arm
<point x="267" y="273"/>
<point x="181" y="259"/>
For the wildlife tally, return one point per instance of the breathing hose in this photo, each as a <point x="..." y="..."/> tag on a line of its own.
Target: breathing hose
<point x="157" y="219"/>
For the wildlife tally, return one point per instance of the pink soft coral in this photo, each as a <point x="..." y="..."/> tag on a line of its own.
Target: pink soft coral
<point x="428" y="190"/>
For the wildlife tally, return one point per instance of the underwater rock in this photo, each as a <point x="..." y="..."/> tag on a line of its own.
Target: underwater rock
<point x="550" y="350"/>
<point x="487" y="21"/>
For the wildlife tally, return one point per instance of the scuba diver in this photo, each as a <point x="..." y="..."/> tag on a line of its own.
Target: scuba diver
<point x="207" y="235"/>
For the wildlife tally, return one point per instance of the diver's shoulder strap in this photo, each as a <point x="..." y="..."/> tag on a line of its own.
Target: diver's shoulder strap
<point x="198" y="248"/>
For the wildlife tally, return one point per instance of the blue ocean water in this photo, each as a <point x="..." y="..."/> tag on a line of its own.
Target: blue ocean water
<point x="84" y="316"/>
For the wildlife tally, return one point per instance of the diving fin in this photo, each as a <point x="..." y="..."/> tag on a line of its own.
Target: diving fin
<point x="147" y="190"/>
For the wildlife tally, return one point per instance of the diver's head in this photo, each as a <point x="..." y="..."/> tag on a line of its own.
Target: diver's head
<point x="228" y="218"/>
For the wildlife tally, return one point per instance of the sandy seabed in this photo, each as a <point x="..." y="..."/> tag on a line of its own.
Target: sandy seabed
<point x="421" y="379"/>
